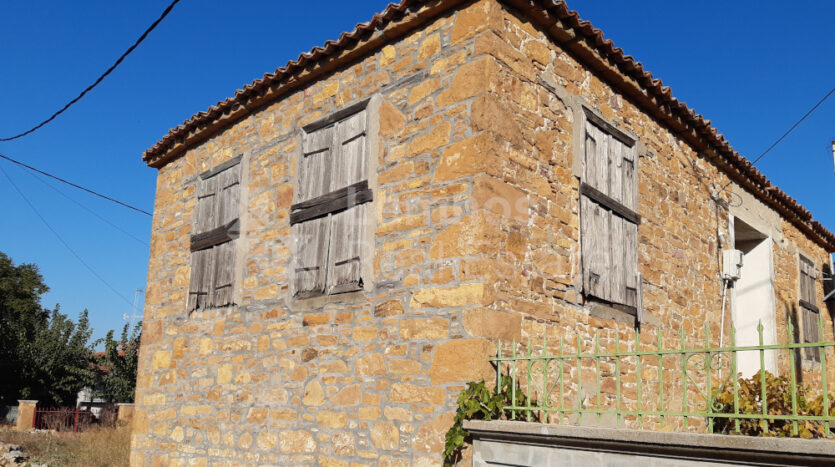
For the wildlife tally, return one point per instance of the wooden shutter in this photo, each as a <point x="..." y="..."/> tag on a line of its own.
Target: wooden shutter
<point x="350" y="164"/>
<point x="596" y="250"/>
<point x="629" y="197"/>
<point x="808" y="306"/>
<point x="206" y="205"/>
<point x="311" y="244"/>
<point x="199" y="291"/>
<point x="596" y="166"/>
<point x="609" y="224"/>
<point x="213" y="255"/>
<point x="345" y="262"/>
<point x="229" y="189"/>
<point x="315" y="170"/>
<point x="224" y="277"/>
<point x="632" y="279"/>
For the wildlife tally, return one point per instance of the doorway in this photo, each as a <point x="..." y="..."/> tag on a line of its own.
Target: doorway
<point x="753" y="298"/>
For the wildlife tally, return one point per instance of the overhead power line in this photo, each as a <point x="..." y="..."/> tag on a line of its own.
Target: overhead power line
<point x="815" y="107"/>
<point x="99" y="79"/>
<point x="93" y="213"/>
<point x="60" y="239"/>
<point x="14" y="161"/>
<point x="795" y="125"/>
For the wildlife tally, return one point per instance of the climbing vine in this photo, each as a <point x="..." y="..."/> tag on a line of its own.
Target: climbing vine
<point x="478" y="402"/>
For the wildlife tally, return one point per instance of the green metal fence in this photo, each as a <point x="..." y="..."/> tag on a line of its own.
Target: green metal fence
<point x="625" y="380"/>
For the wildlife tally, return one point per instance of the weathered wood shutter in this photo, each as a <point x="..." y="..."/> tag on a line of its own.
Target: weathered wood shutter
<point x="311" y="237"/>
<point x="328" y="218"/>
<point x="596" y="257"/>
<point x="350" y="160"/>
<point x="609" y="221"/>
<point x="229" y="189"/>
<point x="311" y="241"/>
<point x="212" y="245"/>
<point x="347" y="230"/>
<point x="808" y="306"/>
<point x="315" y="170"/>
<point x="199" y="291"/>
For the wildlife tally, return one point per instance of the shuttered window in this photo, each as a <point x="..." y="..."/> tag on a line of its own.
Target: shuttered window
<point x="808" y="306"/>
<point x="328" y="219"/>
<point x="609" y="221"/>
<point x="216" y="228"/>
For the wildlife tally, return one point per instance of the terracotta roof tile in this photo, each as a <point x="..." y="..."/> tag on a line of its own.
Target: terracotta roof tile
<point x="606" y="49"/>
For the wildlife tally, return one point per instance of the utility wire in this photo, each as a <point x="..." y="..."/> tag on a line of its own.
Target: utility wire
<point x="66" y="245"/>
<point x="832" y="91"/>
<point x="75" y="186"/>
<point x="36" y="177"/>
<point x="99" y="79"/>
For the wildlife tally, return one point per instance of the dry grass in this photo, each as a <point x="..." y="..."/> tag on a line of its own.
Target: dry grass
<point x="96" y="447"/>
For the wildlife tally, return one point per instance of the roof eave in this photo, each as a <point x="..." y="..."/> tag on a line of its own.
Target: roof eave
<point x="574" y="35"/>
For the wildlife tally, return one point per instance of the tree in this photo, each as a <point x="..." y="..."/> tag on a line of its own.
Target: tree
<point x="44" y="355"/>
<point x="60" y="360"/>
<point x="21" y="317"/>
<point x="118" y="366"/>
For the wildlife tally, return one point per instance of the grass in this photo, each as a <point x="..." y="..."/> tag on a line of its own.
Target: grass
<point x="95" y="447"/>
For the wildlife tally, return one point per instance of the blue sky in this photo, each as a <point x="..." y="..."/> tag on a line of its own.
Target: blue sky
<point x="753" y="68"/>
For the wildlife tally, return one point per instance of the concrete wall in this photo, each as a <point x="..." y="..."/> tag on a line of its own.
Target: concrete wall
<point x="9" y="415"/>
<point x="534" y="444"/>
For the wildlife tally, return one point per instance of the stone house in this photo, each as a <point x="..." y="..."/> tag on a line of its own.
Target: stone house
<point x="338" y="248"/>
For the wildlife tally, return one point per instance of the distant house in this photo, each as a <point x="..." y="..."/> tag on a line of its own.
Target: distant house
<point x="337" y="249"/>
<point x="87" y="400"/>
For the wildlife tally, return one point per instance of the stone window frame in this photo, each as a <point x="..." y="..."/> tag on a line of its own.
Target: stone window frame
<point x="242" y="162"/>
<point x="371" y="105"/>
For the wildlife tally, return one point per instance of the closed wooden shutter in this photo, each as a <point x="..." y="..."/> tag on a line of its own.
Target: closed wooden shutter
<point x="316" y="164"/>
<point x="597" y="159"/>
<point x="311" y="244"/>
<point x="199" y="291"/>
<point x="224" y="277"/>
<point x="328" y="216"/>
<point x="596" y="252"/>
<point x="206" y="205"/>
<point x="350" y="159"/>
<point x="632" y="279"/>
<point x="345" y="260"/>
<point x="229" y="189"/>
<point x="216" y="227"/>
<point x="609" y="223"/>
<point x="630" y="180"/>
<point x="808" y="306"/>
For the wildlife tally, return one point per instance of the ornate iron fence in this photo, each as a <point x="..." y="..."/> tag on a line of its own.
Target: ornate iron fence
<point x="626" y="381"/>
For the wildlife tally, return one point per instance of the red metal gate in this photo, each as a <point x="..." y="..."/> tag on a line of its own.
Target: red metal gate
<point x="63" y="419"/>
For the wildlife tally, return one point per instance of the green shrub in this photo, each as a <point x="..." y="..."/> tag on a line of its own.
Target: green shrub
<point x="779" y="402"/>
<point x="477" y="402"/>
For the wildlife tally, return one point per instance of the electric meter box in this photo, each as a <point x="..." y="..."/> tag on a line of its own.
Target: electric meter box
<point x="731" y="264"/>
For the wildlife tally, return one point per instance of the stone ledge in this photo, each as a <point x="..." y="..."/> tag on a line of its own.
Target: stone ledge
<point x="693" y="446"/>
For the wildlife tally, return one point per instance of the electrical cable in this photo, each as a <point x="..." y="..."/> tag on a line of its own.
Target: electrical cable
<point x="88" y="210"/>
<point x="60" y="239"/>
<point x="832" y="91"/>
<point x="99" y="79"/>
<point x="75" y="186"/>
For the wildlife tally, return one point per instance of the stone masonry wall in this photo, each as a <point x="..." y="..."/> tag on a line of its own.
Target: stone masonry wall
<point x="538" y="273"/>
<point x="476" y="240"/>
